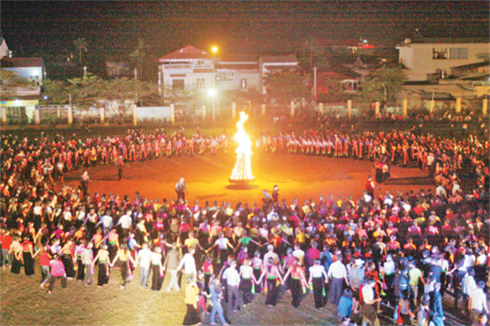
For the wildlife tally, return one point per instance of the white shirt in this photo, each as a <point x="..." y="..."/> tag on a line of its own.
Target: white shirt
<point x="469" y="284"/>
<point x="92" y="217"/>
<point x="389" y="267"/>
<point x="246" y="271"/>
<point x="440" y="191"/>
<point x="222" y="243"/>
<point x="481" y="260"/>
<point x="430" y="159"/>
<point x="125" y="221"/>
<point x="38" y="210"/>
<point x="189" y="264"/>
<point x="87" y="256"/>
<point x="300" y="254"/>
<point x="317" y="271"/>
<point x="367" y="293"/>
<point x="337" y="270"/>
<point x="106" y="220"/>
<point x="231" y="276"/>
<point x="367" y="198"/>
<point x="144" y="257"/>
<point x="478" y="300"/>
<point x="67" y="215"/>
<point x="456" y="188"/>
<point x="469" y="261"/>
<point x="156" y="258"/>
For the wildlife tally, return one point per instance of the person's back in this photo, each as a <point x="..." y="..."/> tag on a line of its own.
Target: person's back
<point x="326" y="258"/>
<point x="145" y="257"/>
<point x="401" y="283"/>
<point x="57" y="267"/>
<point x="345" y="306"/>
<point x="356" y="275"/>
<point x="191" y="292"/>
<point x="172" y="259"/>
<point x="215" y="292"/>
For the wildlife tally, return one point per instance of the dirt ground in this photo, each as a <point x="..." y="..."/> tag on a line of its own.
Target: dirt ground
<point x="206" y="177"/>
<point x="302" y="177"/>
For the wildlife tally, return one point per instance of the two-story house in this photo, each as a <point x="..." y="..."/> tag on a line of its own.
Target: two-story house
<point x="275" y="64"/>
<point x="186" y="70"/>
<point x="432" y="59"/>
<point x="193" y="71"/>
<point x="237" y="73"/>
<point x="19" y="103"/>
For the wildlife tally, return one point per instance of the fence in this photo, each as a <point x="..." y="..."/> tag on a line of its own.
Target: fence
<point x="196" y="111"/>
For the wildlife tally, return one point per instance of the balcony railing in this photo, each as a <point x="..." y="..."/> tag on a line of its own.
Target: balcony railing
<point x="20" y="90"/>
<point x="179" y="66"/>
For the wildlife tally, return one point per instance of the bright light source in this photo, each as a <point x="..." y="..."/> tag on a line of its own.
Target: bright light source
<point x="214" y="49"/>
<point x="365" y="41"/>
<point x="243" y="167"/>
<point x="211" y="92"/>
<point x="45" y="97"/>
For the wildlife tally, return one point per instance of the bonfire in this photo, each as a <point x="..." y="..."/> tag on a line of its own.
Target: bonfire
<point x="242" y="172"/>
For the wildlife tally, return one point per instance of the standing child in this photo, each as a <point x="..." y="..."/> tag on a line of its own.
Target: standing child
<point x="57" y="271"/>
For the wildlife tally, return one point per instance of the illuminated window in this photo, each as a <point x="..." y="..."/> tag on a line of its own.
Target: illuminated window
<point x="440" y="53"/>
<point x="449" y="53"/>
<point x="243" y="83"/>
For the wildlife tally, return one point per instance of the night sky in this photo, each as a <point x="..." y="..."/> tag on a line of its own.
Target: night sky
<point x="112" y="28"/>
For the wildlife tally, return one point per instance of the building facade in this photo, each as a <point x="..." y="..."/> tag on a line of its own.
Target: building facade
<point x="272" y="64"/>
<point x="186" y="70"/>
<point x="237" y="73"/>
<point x="19" y="103"/>
<point x="430" y="59"/>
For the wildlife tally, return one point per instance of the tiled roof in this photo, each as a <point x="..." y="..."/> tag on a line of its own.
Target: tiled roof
<point x="237" y="66"/>
<point x="21" y="62"/>
<point x="188" y="52"/>
<point x="283" y="58"/>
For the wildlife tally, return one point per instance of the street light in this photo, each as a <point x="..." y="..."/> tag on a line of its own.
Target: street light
<point x="214" y="49"/>
<point x="212" y="93"/>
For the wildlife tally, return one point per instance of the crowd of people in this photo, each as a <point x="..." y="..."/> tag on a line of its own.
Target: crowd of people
<point x="403" y="251"/>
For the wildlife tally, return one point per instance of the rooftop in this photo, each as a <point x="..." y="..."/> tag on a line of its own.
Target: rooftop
<point x="21" y="62"/>
<point x="449" y="40"/>
<point x="188" y="52"/>
<point x="282" y="58"/>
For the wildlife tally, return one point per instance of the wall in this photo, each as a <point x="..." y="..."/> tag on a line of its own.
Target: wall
<point x="153" y="113"/>
<point x="418" y="57"/>
<point x="31" y="73"/>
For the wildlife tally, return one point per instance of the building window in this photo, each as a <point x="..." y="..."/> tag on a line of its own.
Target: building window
<point x="459" y="53"/>
<point x="449" y="53"/>
<point x="225" y="75"/>
<point x="440" y="53"/>
<point x="17" y="112"/>
<point x="178" y="84"/>
<point x="200" y="83"/>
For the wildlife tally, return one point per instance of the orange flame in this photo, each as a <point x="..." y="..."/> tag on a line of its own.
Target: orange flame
<point x="243" y="166"/>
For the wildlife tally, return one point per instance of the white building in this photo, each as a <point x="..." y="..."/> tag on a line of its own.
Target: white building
<point x="29" y="68"/>
<point x="4" y="49"/>
<point x="186" y="70"/>
<point x="237" y="73"/>
<point x="19" y="103"/>
<point x="271" y="64"/>
<point x="433" y="58"/>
